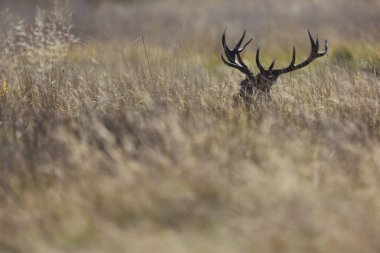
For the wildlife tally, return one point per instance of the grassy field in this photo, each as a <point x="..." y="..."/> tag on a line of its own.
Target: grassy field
<point x="111" y="142"/>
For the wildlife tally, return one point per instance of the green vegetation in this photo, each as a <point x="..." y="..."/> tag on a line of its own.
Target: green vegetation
<point x="134" y="146"/>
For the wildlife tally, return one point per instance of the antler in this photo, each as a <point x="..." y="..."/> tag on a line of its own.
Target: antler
<point x="314" y="53"/>
<point x="233" y="56"/>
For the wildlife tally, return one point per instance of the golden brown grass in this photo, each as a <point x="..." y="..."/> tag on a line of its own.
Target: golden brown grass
<point x="99" y="153"/>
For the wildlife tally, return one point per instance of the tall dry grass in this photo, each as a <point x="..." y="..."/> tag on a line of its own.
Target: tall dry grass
<point x="117" y="147"/>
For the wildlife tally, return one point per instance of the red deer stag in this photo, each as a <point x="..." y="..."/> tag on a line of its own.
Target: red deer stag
<point x="263" y="81"/>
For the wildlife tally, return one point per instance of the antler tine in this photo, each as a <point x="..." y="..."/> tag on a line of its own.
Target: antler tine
<point x="224" y="39"/>
<point x="246" y="44"/>
<point x="233" y="65"/>
<point x="325" y="51"/>
<point x="272" y="65"/>
<point x="244" y="69"/>
<point x="236" y="66"/>
<point x="293" y="57"/>
<point x="231" y="53"/>
<point x="312" y="42"/>
<point x="314" y="53"/>
<point x="240" y="61"/>
<point x="262" y="69"/>
<point x="236" y="49"/>
<point x="233" y="56"/>
<point x="227" y="50"/>
<point x="317" y="42"/>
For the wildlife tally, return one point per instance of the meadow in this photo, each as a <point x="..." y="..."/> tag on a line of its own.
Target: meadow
<point x="118" y="132"/>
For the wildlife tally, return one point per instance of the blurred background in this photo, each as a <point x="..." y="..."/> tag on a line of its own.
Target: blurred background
<point x="133" y="144"/>
<point x="161" y="20"/>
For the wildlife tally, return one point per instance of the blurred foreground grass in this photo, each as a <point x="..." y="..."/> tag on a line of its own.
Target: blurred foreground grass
<point x="108" y="148"/>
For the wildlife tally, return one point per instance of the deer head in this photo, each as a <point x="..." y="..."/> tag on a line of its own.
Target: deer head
<point x="263" y="81"/>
